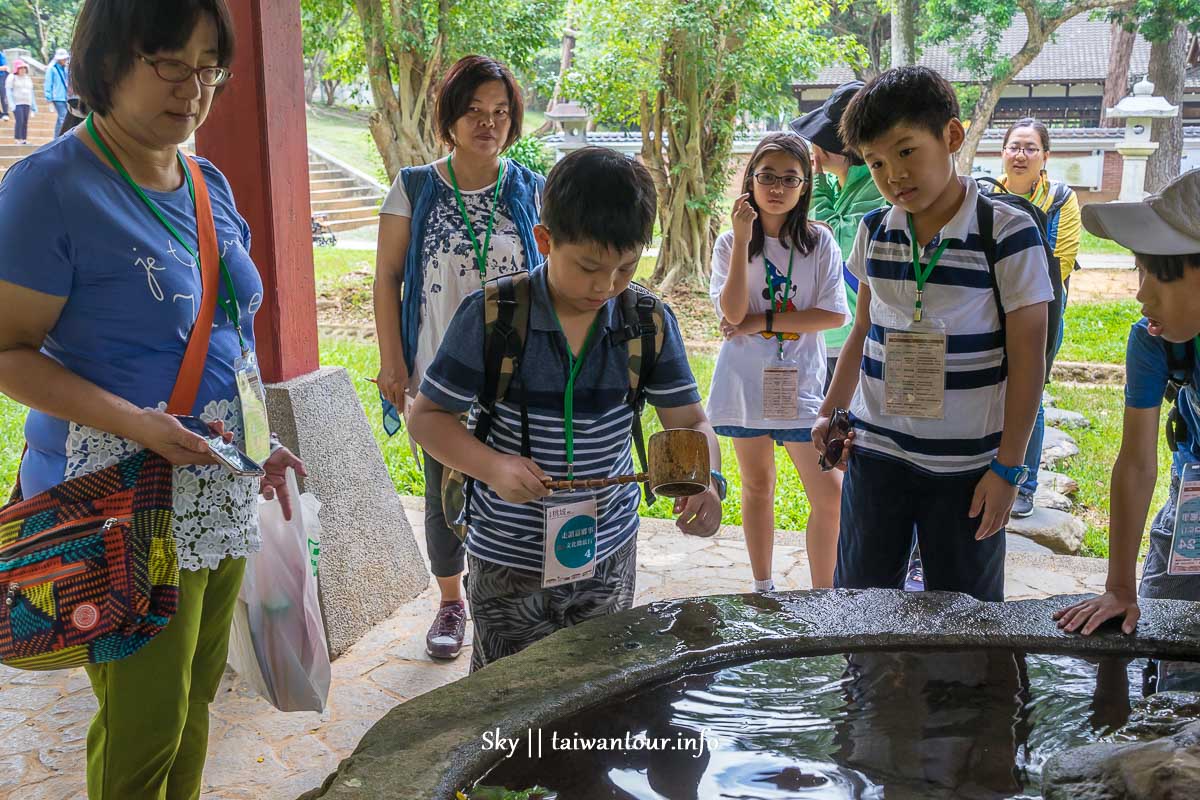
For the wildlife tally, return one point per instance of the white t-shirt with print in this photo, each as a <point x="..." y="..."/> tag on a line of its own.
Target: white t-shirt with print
<point x="737" y="383"/>
<point x="451" y="272"/>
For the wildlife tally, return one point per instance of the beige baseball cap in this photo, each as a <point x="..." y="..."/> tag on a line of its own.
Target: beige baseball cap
<point x="1164" y="224"/>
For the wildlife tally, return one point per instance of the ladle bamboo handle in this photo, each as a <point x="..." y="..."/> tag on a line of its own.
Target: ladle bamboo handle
<point x="596" y="483"/>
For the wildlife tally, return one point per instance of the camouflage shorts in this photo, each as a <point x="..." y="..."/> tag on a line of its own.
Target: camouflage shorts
<point x="510" y="610"/>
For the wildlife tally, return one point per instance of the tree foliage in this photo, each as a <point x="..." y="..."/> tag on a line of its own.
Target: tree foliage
<point x="409" y="45"/>
<point x="975" y="30"/>
<point x="682" y="74"/>
<point x="41" y="26"/>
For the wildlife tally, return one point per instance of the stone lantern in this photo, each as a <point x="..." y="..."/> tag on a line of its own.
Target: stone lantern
<point x="1138" y="110"/>
<point x="574" y="119"/>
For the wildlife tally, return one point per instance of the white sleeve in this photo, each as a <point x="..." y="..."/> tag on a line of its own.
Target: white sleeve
<point x="1022" y="272"/>
<point x="397" y="202"/>
<point x="831" y="292"/>
<point x="722" y="252"/>
<point x="856" y="262"/>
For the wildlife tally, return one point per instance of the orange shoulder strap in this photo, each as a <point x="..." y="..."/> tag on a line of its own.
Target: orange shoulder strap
<point x="187" y="384"/>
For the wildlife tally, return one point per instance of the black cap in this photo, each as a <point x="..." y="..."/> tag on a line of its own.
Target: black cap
<point x="820" y="126"/>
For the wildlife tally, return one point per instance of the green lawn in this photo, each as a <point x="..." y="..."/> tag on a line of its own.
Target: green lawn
<point x="1097" y="331"/>
<point x="1094" y="244"/>
<point x="332" y="263"/>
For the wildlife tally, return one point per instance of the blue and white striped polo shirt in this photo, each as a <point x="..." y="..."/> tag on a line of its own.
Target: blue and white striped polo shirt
<point x="959" y="294"/>
<point x="512" y="534"/>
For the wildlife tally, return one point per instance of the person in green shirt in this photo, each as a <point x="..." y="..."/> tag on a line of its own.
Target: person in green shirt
<point x="842" y="194"/>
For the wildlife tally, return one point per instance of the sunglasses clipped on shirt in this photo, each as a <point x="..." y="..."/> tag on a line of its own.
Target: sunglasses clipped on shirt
<point x="770" y="179"/>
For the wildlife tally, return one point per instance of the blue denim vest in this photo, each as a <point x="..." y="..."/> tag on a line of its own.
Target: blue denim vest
<point x="521" y="196"/>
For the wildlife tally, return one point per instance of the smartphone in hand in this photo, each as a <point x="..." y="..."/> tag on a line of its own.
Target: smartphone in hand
<point x="226" y="453"/>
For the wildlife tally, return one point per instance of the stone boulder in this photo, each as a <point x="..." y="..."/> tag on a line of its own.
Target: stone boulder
<point x="1016" y="543"/>
<point x="1161" y="714"/>
<point x="1063" y="484"/>
<point x="1060" y="418"/>
<point x="1048" y="498"/>
<point x="1057" y="446"/>
<point x="1164" y="769"/>
<point x="1051" y="528"/>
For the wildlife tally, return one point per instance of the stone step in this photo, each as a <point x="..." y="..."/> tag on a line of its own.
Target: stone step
<point x="353" y="224"/>
<point x="1051" y="528"/>
<point x="364" y="193"/>
<point x="1057" y="446"/>
<point x="333" y="183"/>
<point x="356" y="212"/>
<point x="354" y="201"/>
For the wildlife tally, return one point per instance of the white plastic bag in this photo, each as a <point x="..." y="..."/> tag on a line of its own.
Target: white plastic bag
<point x="278" y="640"/>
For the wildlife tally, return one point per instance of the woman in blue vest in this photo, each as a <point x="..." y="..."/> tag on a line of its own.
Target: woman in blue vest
<point x="444" y="229"/>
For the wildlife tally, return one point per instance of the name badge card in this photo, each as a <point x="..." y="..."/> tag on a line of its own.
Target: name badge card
<point x="781" y="390"/>
<point x="1185" y="542"/>
<point x="572" y="520"/>
<point x="914" y="371"/>
<point x="254" y="408"/>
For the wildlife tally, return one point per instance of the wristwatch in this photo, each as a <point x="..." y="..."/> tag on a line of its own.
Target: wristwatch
<point x="1015" y="476"/>
<point x="718" y="480"/>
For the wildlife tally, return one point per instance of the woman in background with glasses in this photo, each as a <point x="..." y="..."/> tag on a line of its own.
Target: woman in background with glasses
<point x="777" y="285"/>
<point x="99" y="301"/>
<point x="1025" y="153"/>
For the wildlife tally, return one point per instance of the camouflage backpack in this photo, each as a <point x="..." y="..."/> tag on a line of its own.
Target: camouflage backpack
<point x="506" y="322"/>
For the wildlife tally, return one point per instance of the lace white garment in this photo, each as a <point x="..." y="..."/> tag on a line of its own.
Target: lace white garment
<point x="216" y="512"/>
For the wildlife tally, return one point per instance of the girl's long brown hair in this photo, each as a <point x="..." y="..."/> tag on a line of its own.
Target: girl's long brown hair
<point x="796" y="230"/>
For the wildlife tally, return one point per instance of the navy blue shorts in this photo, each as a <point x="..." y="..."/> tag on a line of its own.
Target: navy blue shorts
<point x="780" y="436"/>
<point x="883" y="499"/>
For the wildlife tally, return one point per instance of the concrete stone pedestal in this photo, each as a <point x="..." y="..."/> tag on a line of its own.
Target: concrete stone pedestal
<point x="370" y="564"/>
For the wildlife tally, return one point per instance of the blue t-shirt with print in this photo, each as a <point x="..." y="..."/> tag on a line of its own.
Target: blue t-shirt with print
<point x="513" y="534"/>
<point x="1146" y="376"/>
<point x="73" y="228"/>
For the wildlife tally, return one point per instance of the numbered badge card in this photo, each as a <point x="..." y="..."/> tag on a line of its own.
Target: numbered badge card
<point x="914" y="371"/>
<point x="254" y="408"/>
<point x="572" y="521"/>
<point x="1185" y="543"/>
<point x="781" y="389"/>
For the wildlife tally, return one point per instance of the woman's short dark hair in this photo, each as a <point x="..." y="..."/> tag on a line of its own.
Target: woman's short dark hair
<point x="1167" y="268"/>
<point x="109" y="34"/>
<point x="596" y="195"/>
<point x="910" y="95"/>
<point x="1030" y="122"/>
<point x="796" y="231"/>
<point x="459" y="86"/>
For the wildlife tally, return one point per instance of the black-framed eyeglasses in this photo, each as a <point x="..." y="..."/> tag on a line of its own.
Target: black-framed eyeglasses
<point x="173" y="71"/>
<point x="1017" y="149"/>
<point x="770" y="179"/>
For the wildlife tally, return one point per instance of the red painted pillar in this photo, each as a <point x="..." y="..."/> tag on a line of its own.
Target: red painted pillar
<point x="256" y="134"/>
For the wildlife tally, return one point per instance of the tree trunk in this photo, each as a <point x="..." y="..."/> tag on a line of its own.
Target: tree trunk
<point x="312" y="76"/>
<point x="35" y="7"/>
<point x="687" y="138"/>
<point x="1116" y="81"/>
<point x="402" y="124"/>
<point x="565" y="60"/>
<point x="904" y="33"/>
<point x="1167" y="65"/>
<point x="329" y="89"/>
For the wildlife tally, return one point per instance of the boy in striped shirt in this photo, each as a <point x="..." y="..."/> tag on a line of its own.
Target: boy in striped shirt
<point x="943" y="370"/>
<point x="598" y="212"/>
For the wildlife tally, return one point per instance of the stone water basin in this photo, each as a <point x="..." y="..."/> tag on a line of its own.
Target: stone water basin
<point x="821" y="694"/>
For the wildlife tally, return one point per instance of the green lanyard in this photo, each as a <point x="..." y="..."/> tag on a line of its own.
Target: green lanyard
<point x="922" y="275"/>
<point x="569" y="394"/>
<point x="229" y="304"/>
<point x="779" y="304"/>
<point x="480" y="253"/>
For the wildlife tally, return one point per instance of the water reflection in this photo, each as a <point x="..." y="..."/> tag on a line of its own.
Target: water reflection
<point x="976" y="725"/>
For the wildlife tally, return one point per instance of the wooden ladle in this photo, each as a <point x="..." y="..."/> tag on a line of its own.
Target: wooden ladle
<point x="679" y="466"/>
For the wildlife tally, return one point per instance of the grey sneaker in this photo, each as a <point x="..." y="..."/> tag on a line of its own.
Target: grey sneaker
<point x="1023" y="505"/>
<point x="445" y="637"/>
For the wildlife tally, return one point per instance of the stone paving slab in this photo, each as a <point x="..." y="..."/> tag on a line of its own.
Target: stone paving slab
<point x="258" y="753"/>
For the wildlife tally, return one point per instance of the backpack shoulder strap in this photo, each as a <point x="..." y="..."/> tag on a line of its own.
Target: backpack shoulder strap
<point x="985" y="217"/>
<point x="643" y="327"/>
<point x="989" y="185"/>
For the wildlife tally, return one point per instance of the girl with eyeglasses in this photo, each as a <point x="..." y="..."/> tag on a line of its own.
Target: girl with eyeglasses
<point x="777" y="286"/>
<point x="1025" y="153"/>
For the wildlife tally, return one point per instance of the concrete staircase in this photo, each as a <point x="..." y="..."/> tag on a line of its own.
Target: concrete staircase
<point x="345" y="197"/>
<point x="41" y="128"/>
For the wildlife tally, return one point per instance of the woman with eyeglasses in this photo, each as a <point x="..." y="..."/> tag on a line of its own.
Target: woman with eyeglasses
<point x="100" y="291"/>
<point x="1025" y="154"/>
<point x="777" y="286"/>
